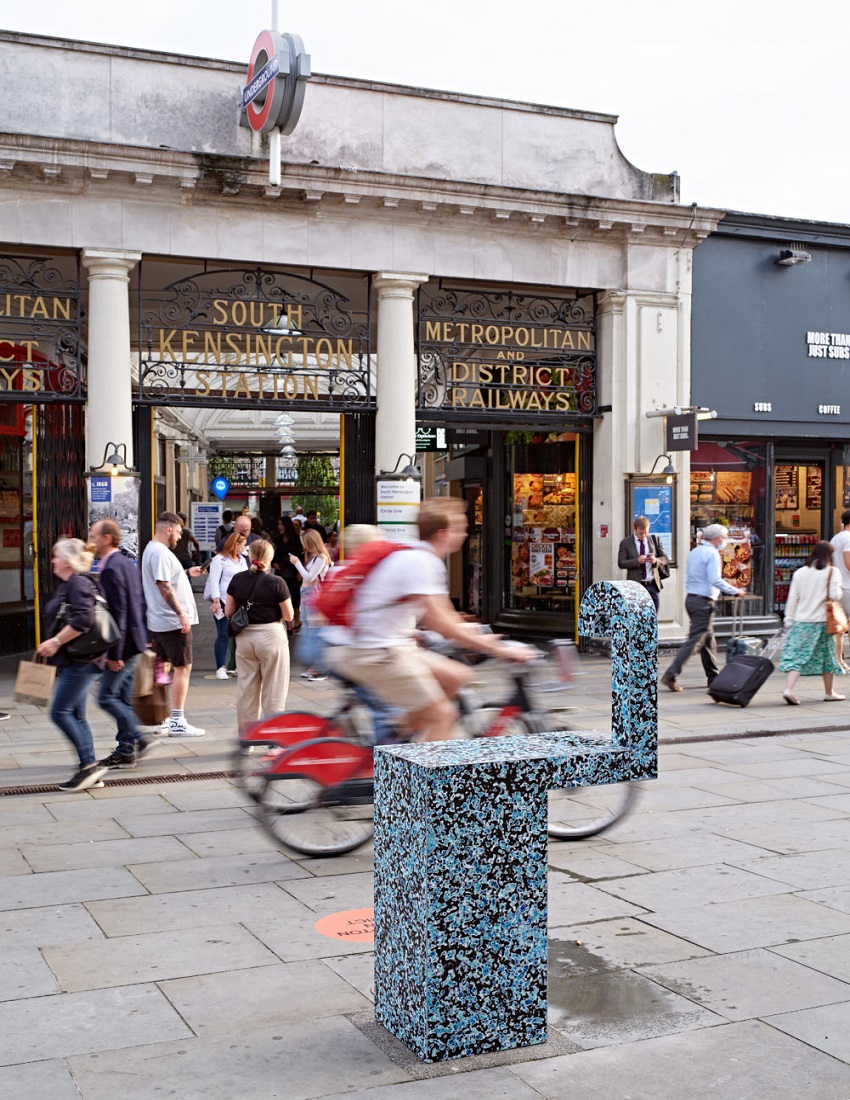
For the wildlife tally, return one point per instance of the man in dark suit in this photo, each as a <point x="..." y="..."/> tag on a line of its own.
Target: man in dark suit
<point x="122" y="587"/>
<point x="640" y="555"/>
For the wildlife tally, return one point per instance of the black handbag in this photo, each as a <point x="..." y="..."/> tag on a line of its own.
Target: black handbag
<point x="240" y="617"/>
<point x="102" y="635"/>
<point x="662" y="566"/>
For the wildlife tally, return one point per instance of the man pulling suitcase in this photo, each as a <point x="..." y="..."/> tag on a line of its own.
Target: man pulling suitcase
<point x="703" y="582"/>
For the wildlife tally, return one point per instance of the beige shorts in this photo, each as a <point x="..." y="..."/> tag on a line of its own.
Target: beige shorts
<point x="400" y="676"/>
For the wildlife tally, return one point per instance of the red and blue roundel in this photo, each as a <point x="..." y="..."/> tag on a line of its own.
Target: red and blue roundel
<point x="264" y="91"/>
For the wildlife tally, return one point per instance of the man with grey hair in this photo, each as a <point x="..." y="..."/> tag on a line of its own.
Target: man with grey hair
<point x="703" y="581"/>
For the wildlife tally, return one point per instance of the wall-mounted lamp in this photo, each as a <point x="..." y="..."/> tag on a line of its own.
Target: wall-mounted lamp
<point x="669" y="471"/>
<point x="790" y="257"/>
<point x="410" y="471"/>
<point x="114" y="462"/>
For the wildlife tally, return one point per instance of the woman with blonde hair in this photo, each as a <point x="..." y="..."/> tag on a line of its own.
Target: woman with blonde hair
<point x="262" y="649"/>
<point x="223" y="569"/>
<point x="68" y="614"/>
<point x="317" y="562"/>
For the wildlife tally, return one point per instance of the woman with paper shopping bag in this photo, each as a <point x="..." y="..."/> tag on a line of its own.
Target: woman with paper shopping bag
<point x="71" y="612"/>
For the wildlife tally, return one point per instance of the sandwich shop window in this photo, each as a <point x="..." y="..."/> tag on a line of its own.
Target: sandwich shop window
<point x="543" y="529"/>
<point x="729" y="485"/>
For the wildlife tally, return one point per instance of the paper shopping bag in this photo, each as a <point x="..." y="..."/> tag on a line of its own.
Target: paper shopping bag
<point x="150" y="700"/>
<point x="34" y="682"/>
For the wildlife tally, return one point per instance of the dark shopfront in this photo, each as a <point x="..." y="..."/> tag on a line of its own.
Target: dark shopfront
<point x="771" y="353"/>
<point x="511" y="376"/>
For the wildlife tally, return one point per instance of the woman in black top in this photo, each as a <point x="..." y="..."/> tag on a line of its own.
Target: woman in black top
<point x="262" y="649"/>
<point x="288" y="542"/>
<point x="71" y="560"/>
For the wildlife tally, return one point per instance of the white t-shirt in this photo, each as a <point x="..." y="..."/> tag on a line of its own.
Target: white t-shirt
<point x="840" y="543"/>
<point x="159" y="564"/>
<point x="384" y="612"/>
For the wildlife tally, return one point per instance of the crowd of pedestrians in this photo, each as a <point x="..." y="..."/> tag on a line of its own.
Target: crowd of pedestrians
<point x="152" y="605"/>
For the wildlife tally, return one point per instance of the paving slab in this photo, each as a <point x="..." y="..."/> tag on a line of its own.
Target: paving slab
<point x="52" y="887"/>
<point x="826" y="1029"/>
<point x="688" y="850"/>
<point x="691" y="886"/>
<point x="482" y="1084"/>
<point x="240" y="1002"/>
<point x="77" y="1023"/>
<point x="577" y="901"/>
<point x="84" y="807"/>
<point x="50" y="924"/>
<point x="329" y="895"/>
<point x="24" y="810"/>
<point x="292" y="1062"/>
<point x="59" y="832"/>
<point x="589" y="863"/>
<point x="358" y="970"/>
<point x="38" y="1081"/>
<point x="805" y="871"/>
<point x="602" y="946"/>
<point x="24" y="973"/>
<point x="229" y="842"/>
<point x="195" y="821"/>
<point x="198" y="909"/>
<point x="298" y="939"/>
<point x="103" y="853"/>
<point x="748" y="984"/>
<point x="606" y="1009"/>
<point x="13" y="863"/>
<point x="155" y="956"/>
<point x="751" y="922"/>
<point x="733" y="1061"/>
<point x="216" y="871"/>
<point x="830" y="955"/>
<point x="785" y="838"/>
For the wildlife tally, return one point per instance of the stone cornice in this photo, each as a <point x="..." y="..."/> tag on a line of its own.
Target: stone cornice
<point x="70" y="167"/>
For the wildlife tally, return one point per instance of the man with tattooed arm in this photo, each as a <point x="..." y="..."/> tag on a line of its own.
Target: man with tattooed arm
<point x="171" y="613"/>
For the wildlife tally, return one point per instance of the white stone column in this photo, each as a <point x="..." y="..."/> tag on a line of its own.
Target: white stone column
<point x="109" y="409"/>
<point x="395" y="428"/>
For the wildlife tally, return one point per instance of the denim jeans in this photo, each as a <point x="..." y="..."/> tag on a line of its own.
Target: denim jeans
<point x="114" y="698"/>
<point x="68" y="708"/>
<point x="221" y="640"/>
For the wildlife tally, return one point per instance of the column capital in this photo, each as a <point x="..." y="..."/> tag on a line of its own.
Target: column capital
<point x="403" y="284"/>
<point x="106" y="262"/>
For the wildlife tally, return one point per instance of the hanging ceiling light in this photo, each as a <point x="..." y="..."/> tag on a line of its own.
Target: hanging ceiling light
<point x="288" y="451"/>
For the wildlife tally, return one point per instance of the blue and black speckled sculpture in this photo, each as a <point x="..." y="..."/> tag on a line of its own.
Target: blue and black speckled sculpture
<point x="460" y="853"/>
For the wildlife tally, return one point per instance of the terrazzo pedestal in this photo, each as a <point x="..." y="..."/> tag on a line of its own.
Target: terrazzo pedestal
<point x="460" y="855"/>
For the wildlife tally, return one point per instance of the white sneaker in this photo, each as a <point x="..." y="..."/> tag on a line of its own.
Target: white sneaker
<point x="181" y="728"/>
<point x="221" y="673"/>
<point x="164" y="727"/>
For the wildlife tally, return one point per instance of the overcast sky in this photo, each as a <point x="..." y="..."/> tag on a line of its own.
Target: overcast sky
<point x="748" y="101"/>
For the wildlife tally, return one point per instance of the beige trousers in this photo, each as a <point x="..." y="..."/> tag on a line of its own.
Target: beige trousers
<point x="262" y="667"/>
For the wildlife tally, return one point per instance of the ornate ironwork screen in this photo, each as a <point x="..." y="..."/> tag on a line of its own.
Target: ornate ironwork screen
<point x="252" y="337"/>
<point x="502" y="354"/>
<point x="60" y="485"/>
<point x="40" y="358"/>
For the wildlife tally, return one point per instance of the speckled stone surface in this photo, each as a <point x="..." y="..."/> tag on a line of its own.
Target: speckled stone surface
<point x="460" y="854"/>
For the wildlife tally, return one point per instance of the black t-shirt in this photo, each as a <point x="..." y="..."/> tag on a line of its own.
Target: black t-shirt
<point x="269" y="593"/>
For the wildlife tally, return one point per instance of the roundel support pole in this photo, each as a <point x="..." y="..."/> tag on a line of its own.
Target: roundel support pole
<point x="274" y="136"/>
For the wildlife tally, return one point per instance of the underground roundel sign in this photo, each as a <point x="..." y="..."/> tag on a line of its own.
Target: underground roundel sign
<point x="277" y="78"/>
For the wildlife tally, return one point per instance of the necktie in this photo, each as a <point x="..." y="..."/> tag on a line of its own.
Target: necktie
<point x="645" y="564"/>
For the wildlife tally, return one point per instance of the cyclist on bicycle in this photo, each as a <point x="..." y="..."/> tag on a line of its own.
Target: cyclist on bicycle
<point x="406" y="590"/>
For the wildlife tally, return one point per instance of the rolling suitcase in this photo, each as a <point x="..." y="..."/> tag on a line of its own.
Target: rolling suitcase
<point x="739" y="645"/>
<point x="739" y="681"/>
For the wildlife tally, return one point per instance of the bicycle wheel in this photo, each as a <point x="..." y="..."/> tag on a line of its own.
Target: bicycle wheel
<point x="340" y="817"/>
<point x="250" y="763"/>
<point x="579" y="812"/>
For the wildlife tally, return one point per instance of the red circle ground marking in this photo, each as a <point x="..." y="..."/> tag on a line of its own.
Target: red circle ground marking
<point x="351" y="924"/>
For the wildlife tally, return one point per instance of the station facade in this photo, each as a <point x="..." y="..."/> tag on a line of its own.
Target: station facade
<point x="494" y="269"/>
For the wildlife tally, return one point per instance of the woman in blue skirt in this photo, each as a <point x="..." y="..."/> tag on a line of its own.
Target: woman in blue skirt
<point x="809" y="650"/>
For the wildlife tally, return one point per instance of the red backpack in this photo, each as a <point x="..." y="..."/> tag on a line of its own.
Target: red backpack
<point x="335" y="601"/>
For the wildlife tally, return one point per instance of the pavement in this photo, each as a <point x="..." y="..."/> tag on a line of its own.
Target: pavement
<point x="154" y="942"/>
